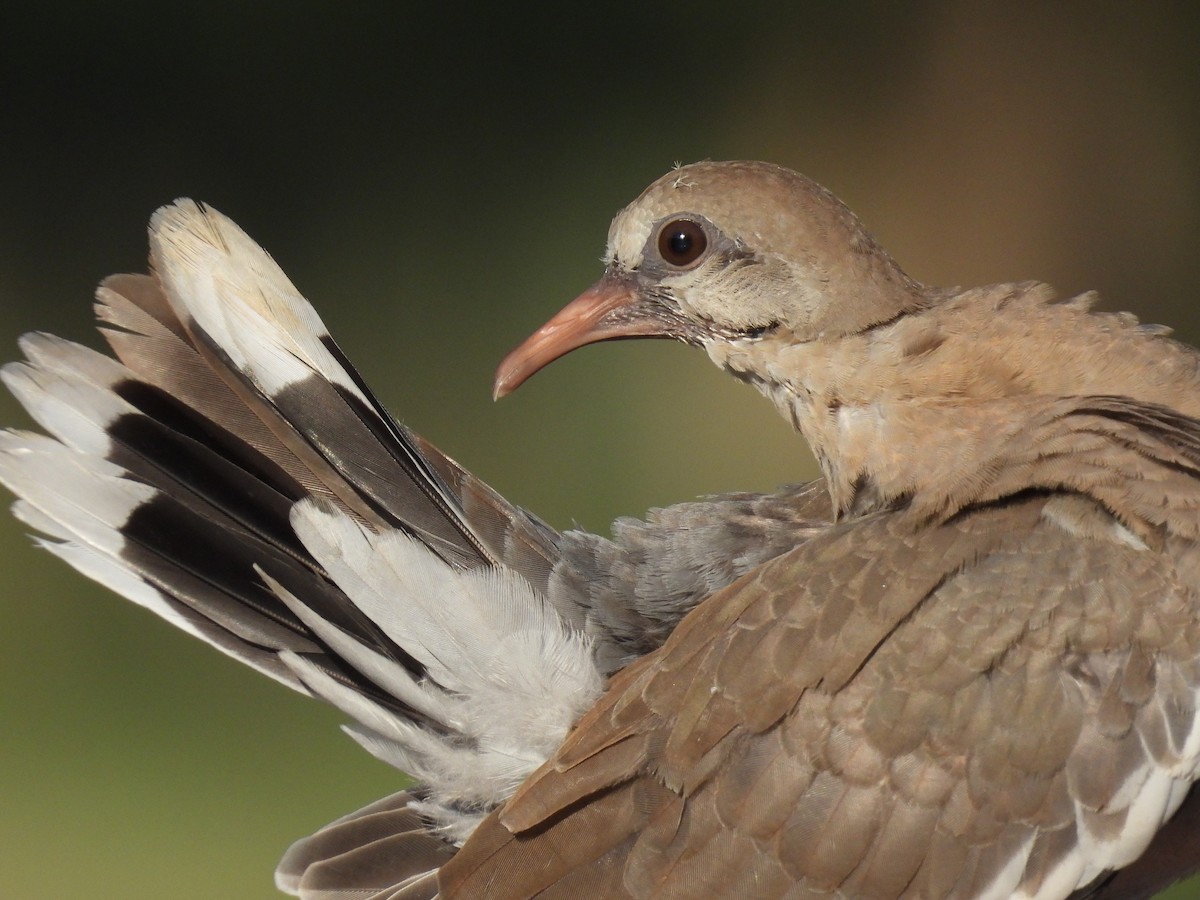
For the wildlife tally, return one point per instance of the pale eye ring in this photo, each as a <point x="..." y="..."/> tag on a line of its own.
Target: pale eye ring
<point x="681" y="242"/>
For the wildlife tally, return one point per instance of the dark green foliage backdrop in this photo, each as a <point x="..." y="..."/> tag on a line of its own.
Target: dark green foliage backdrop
<point x="438" y="184"/>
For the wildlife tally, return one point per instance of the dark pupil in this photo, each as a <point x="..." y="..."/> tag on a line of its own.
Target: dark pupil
<point x="682" y="242"/>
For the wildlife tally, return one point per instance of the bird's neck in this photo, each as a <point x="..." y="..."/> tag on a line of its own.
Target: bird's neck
<point x="929" y="405"/>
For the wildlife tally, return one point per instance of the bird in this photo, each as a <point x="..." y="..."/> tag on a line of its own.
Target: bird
<point x="964" y="663"/>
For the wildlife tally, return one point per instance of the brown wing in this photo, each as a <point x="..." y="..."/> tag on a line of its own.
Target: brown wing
<point x="1002" y="702"/>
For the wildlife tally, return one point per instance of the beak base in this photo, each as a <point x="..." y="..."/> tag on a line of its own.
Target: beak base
<point x="606" y="310"/>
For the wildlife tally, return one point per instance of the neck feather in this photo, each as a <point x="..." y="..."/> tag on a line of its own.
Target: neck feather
<point x="932" y="404"/>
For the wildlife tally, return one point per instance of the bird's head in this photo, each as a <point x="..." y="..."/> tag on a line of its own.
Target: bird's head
<point x="721" y="252"/>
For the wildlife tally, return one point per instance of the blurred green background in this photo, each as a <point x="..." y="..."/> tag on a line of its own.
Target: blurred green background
<point x="439" y="181"/>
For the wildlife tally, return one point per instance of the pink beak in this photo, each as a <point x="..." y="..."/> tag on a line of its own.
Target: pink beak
<point x="606" y="310"/>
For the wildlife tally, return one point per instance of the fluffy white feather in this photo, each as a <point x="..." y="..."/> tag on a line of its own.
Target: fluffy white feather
<point x="481" y="633"/>
<point x="505" y="678"/>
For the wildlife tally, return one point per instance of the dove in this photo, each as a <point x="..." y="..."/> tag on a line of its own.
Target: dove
<point x="963" y="664"/>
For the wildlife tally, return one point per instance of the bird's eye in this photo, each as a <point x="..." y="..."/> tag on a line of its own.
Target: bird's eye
<point x="681" y="242"/>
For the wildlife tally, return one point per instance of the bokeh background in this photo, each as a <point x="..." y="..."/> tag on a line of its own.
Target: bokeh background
<point x="439" y="180"/>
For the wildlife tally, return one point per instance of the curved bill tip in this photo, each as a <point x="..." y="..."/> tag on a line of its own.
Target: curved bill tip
<point x="602" y="312"/>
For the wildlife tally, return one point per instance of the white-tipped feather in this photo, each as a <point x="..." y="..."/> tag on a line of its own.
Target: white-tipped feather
<point x="86" y="496"/>
<point x="1189" y="752"/>
<point x="1130" y="788"/>
<point x="67" y="389"/>
<point x="1009" y="876"/>
<point x="217" y="276"/>
<point x="1147" y="813"/>
<point x="38" y="521"/>
<point x="61" y="407"/>
<point x="82" y="501"/>
<point x="1059" y="881"/>
<point x="54" y="354"/>
<point x="118" y="578"/>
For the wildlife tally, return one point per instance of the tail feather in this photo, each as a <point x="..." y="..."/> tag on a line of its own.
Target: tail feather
<point x="259" y="332"/>
<point x="150" y="341"/>
<point x="89" y="506"/>
<point x="231" y="472"/>
<point x="121" y="580"/>
<point x="95" y="405"/>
